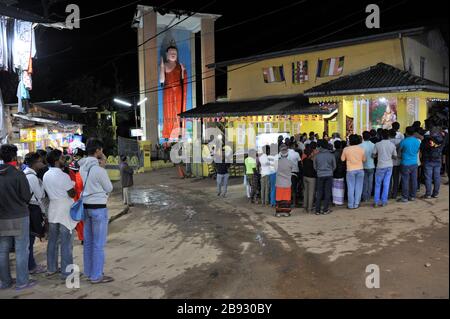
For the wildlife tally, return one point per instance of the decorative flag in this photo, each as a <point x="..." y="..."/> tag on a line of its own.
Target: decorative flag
<point x="299" y="72"/>
<point x="330" y="67"/>
<point x="273" y="74"/>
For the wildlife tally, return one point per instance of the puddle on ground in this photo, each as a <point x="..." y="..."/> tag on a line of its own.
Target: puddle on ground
<point x="151" y="197"/>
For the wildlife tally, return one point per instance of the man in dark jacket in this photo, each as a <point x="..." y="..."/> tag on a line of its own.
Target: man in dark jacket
<point x="324" y="164"/>
<point x="222" y="176"/>
<point x="126" y="178"/>
<point x="431" y="149"/>
<point x="14" y="219"/>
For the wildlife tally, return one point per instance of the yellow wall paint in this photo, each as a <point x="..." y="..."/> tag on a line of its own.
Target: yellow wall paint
<point x="333" y="127"/>
<point x="247" y="82"/>
<point x="423" y="109"/>
<point x="313" y="126"/>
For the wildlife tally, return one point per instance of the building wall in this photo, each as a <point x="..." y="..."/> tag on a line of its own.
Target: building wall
<point x="247" y="82"/>
<point x="435" y="61"/>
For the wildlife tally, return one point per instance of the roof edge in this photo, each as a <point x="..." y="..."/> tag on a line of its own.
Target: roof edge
<point x="431" y="88"/>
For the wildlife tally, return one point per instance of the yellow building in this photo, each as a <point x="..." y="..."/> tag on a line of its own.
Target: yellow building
<point x="350" y="86"/>
<point x="415" y="56"/>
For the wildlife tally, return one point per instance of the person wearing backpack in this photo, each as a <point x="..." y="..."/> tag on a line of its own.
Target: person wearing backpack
<point x="34" y="164"/>
<point x="431" y="149"/>
<point x="97" y="187"/>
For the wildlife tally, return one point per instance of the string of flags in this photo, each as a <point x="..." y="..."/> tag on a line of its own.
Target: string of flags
<point x="258" y="119"/>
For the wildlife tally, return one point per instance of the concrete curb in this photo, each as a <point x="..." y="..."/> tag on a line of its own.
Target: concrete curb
<point x="122" y="213"/>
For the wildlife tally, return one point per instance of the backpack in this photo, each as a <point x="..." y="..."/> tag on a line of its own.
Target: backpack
<point x="77" y="209"/>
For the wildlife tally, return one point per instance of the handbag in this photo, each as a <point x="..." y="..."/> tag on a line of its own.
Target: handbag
<point x="37" y="221"/>
<point x="43" y="203"/>
<point x="77" y="208"/>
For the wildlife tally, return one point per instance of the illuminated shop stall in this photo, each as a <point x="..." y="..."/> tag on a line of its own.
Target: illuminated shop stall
<point x="48" y="124"/>
<point x="33" y="133"/>
<point x="380" y="95"/>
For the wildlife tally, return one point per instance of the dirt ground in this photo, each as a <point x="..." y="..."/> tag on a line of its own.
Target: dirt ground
<point x="182" y="241"/>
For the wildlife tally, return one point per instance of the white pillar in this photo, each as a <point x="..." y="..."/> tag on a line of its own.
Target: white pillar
<point x="355" y="114"/>
<point x="367" y="114"/>
<point x="361" y="128"/>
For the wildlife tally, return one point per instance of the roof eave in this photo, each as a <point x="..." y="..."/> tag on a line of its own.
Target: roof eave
<point x="380" y="90"/>
<point x="261" y="113"/>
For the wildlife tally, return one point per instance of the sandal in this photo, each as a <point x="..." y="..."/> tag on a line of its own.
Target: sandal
<point x="30" y="284"/>
<point x="38" y="270"/>
<point x="103" y="280"/>
<point x="50" y="274"/>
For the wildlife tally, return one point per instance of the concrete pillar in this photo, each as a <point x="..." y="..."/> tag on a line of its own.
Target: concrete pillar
<point x="141" y="66"/>
<point x="208" y="57"/>
<point x="151" y="78"/>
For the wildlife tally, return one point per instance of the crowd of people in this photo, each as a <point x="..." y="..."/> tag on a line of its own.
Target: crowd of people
<point x="37" y="196"/>
<point x="318" y="173"/>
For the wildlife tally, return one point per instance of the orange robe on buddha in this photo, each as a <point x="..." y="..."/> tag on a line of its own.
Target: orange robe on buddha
<point x="174" y="100"/>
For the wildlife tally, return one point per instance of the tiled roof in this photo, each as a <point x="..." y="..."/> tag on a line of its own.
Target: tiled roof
<point x="378" y="78"/>
<point x="279" y="105"/>
<point x="57" y="106"/>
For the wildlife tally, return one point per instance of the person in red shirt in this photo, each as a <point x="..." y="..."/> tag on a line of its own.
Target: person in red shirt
<point x="74" y="173"/>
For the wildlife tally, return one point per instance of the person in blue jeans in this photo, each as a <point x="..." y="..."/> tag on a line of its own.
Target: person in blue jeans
<point x="409" y="149"/>
<point x="369" y="167"/>
<point x="97" y="187"/>
<point x="273" y="158"/>
<point x="14" y="220"/>
<point x="60" y="190"/>
<point x="431" y="149"/>
<point x="386" y="152"/>
<point x="354" y="156"/>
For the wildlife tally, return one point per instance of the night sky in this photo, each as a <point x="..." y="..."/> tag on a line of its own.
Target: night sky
<point x="104" y="48"/>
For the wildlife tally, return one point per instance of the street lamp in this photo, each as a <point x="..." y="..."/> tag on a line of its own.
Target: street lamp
<point x="142" y="101"/>
<point x="122" y="102"/>
<point x="125" y="103"/>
